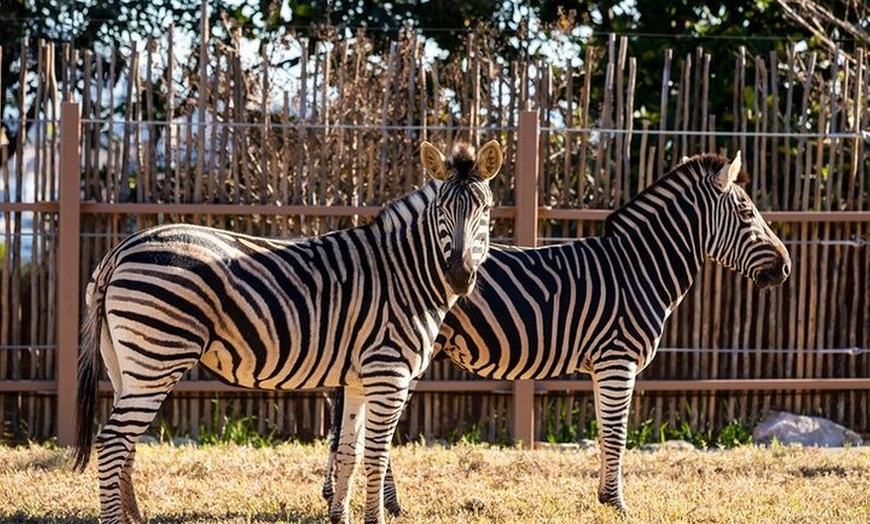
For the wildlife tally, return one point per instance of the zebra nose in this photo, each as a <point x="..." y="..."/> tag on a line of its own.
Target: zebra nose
<point x="460" y="275"/>
<point x="786" y="269"/>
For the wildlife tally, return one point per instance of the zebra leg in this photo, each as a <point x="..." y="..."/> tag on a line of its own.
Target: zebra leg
<point x="385" y="402"/>
<point x="129" y="506"/>
<point x="391" y="498"/>
<point x="130" y="417"/>
<point x="613" y="385"/>
<point x="335" y="414"/>
<point x="348" y="450"/>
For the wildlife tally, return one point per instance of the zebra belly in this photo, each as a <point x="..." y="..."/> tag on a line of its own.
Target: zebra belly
<point x="219" y="361"/>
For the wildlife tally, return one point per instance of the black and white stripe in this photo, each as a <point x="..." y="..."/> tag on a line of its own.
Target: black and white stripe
<point x="599" y="305"/>
<point x="358" y="308"/>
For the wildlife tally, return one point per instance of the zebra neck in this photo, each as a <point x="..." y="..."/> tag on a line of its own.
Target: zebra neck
<point x="661" y="245"/>
<point x="413" y="255"/>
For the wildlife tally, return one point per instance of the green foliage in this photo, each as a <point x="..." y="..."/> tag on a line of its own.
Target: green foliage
<point x="645" y="433"/>
<point x="463" y="435"/>
<point x="557" y="432"/>
<point x="241" y="431"/>
<point x="734" y="434"/>
<point x="590" y="431"/>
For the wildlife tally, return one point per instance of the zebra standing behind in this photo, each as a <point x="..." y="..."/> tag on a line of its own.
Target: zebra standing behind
<point x="358" y="308"/>
<point x="598" y="305"/>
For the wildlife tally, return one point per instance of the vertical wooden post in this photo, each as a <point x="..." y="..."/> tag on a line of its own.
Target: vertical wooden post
<point x="526" y="227"/>
<point x="67" y="307"/>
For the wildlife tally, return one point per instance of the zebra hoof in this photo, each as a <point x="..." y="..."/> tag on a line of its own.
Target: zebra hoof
<point x="338" y="519"/>
<point x="615" y="502"/>
<point x="394" y="509"/>
<point x="327" y="494"/>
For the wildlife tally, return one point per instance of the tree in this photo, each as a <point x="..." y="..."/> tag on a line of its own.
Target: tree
<point x="839" y="25"/>
<point x="86" y="25"/>
<point x="653" y="26"/>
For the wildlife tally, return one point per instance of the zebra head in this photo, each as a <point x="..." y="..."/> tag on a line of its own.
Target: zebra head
<point x="740" y="238"/>
<point x="463" y="202"/>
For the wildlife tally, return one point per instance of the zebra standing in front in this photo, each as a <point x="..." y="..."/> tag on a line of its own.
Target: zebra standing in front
<point x="598" y="305"/>
<point x="358" y="308"/>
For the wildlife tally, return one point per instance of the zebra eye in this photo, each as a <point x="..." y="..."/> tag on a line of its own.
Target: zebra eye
<point x="746" y="213"/>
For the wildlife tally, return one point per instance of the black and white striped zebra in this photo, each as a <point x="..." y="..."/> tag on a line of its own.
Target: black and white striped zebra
<point x="598" y="305"/>
<point x="358" y="308"/>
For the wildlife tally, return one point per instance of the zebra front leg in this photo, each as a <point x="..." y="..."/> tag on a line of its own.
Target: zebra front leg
<point x="391" y="498"/>
<point x="613" y="385"/>
<point x="385" y="401"/>
<point x="348" y="451"/>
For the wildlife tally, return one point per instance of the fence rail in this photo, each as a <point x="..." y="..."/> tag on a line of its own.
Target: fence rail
<point x="334" y="151"/>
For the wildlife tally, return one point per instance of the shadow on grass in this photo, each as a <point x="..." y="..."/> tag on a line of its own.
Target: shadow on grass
<point x="52" y="462"/>
<point x="287" y="516"/>
<point x="823" y="471"/>
<point x="22" y="518"/>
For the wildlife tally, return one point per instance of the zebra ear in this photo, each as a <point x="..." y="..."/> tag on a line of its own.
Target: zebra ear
<point x="729" y="172"/>
<point x="433" y="161"/>
<point x="489" y="160"/>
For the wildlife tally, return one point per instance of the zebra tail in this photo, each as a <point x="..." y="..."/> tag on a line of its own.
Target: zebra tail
<point x="89" y="367"/>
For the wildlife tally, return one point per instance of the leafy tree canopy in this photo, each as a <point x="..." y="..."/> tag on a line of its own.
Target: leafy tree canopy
<point x="683" y="25"/>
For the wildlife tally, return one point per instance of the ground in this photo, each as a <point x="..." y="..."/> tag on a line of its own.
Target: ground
<point x="463" y="483"/>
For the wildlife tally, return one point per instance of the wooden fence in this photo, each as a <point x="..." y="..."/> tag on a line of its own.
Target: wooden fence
<point x="214" y="139"/>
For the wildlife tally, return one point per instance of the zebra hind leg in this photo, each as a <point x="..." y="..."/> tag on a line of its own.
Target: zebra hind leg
<point x="613" y="388"/>
<point x="130" y="417"/>
<point x="391" y="498"/>
<point x="129" y="506"/>
<point x="336" y="412"/>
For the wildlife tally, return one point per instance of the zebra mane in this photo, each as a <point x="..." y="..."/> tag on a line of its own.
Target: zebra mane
<point x="403" y="209"/>
<point x="461" y="161"/>
<point x="695" y="167"/>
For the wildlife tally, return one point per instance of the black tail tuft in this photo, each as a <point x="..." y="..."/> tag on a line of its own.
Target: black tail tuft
<point x="88" y="379"/>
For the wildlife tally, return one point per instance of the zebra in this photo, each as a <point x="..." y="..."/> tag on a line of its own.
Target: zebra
<point x="269" y="314"/>
<point x="598" y="305"/>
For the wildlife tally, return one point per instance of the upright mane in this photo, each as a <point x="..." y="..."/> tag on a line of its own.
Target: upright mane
<point x="401" y="210"/>
<point x="462" y="161"/>
<point x="461" y="166"/>
<point x="695" y="167"/>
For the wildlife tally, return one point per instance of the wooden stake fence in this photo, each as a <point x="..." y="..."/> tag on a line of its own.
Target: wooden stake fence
<point x="526" y="215"/>
<point x="317" y="163"/>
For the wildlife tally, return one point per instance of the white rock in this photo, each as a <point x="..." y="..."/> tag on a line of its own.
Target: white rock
<point x="669" y="445"/>
<point x="788" y="428"/>
<point x="184" y="441"/>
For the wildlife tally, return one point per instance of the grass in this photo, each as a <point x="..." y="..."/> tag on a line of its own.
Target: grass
<point x="463" y="483"/>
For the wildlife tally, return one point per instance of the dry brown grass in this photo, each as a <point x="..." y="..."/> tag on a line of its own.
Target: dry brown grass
<point x="469" y="484"/>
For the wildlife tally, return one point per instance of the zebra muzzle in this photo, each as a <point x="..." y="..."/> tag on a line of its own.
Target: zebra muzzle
<point x="774" y="274"/>
<point x="460" y="276"/>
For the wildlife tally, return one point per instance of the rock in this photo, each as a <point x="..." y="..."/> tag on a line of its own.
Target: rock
<point x="147" y="439"/>
<point x="184" y="441"/>
<point x="586" y="443"/>
<point x="582" y="444"/>
<point x="788" y="428"/>
<point x="556" y="446"/>
<point x="669" y="445"/>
